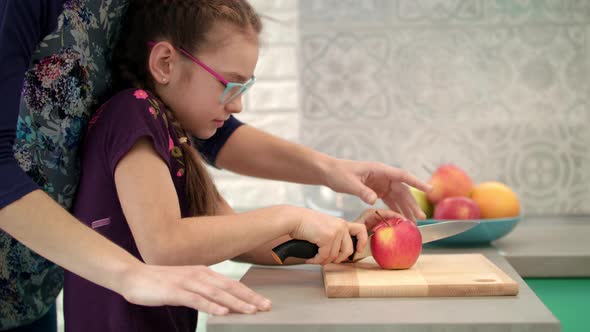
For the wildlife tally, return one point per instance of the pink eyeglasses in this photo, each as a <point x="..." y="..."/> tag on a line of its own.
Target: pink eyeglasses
<point x="232" y="90"/>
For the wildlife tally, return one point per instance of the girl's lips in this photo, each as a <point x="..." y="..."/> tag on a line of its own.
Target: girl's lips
<point x="219" y="123"/>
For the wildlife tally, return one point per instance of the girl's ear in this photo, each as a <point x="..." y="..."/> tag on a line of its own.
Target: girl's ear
<point x="161" y="62"/>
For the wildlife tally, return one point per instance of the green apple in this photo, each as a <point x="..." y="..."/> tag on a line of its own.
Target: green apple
<point x="422" y="201"/>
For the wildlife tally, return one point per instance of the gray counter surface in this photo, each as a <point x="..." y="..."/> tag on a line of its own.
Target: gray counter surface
<point x="299" y="304"/>
<point x="549" y="247"/>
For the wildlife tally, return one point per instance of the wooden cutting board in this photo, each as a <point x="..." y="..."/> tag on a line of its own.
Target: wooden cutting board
<point x="432" y="275"/>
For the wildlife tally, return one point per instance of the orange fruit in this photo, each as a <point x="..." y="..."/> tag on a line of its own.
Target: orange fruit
<point x="495" y="200"/>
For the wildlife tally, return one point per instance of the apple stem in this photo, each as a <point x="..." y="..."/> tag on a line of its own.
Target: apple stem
<point x="427" y="169"/>
<point x="380" y="216"/>
<point x="383" y="219"/>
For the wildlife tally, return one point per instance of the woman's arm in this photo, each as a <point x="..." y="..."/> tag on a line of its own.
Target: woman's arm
<point x="150" y="204"/>
<point x="22" y="26"/>
<point x="276" y="158"/>
<point x="279" y="159"/>
<point x="45" y="227"/>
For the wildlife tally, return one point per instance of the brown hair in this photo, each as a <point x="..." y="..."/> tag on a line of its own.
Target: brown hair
<point x="183" y="23"/>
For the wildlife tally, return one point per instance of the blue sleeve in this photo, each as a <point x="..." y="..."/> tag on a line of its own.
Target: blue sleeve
<point x="23" y="24"/>
<point x="209" y="148"/>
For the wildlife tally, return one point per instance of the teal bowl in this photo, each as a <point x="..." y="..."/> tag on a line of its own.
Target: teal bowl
<point x="487" y="231"/>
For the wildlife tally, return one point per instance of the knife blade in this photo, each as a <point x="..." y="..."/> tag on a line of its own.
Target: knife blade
<point x="432" y="232"/>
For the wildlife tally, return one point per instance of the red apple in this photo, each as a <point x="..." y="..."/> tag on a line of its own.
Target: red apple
<point x="457" y="208"/>
<point x="396" y="244"/>
<point x="449" y="181"/>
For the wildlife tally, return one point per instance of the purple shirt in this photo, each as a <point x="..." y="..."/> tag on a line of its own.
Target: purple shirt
<point x="114" y="129"/>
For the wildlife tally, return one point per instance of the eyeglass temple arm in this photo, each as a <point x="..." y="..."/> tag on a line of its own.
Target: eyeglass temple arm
<point x="190" y="56"/>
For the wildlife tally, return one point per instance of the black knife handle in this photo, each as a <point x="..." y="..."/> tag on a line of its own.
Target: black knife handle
<point x="300" y="249"/>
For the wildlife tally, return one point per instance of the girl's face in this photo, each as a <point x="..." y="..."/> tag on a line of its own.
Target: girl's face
<point x="192" y="93"/>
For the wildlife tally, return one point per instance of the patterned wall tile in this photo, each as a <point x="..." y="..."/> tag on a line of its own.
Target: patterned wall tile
<point x="443" y="12"/>
<point x="500" y="88"/>
<point x="537" y="11"/>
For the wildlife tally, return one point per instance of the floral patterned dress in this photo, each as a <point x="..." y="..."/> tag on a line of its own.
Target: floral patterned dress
<point x="66" y="78"/>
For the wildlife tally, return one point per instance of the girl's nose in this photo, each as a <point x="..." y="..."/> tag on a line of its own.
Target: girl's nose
<point x="234" y="106"/>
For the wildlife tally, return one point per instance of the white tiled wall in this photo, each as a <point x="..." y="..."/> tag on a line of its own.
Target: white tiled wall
<point x="271" y="105"/>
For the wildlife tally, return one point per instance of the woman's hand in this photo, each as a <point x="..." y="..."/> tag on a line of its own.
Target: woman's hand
<point x="332" y="235"/>
<point x="197" y="287"/>
<point x="371" y="180"/>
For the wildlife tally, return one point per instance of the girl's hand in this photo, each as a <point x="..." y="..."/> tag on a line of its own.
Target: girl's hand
<point x="196" y="287"/>
<point x="370" y="219"/>
<point x="330" y="234"/>
<point x="371" y="180"/>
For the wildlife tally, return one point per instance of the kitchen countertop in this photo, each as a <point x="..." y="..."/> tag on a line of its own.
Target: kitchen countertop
<point x="299" y="303"/>
<point x="549" y="247"/>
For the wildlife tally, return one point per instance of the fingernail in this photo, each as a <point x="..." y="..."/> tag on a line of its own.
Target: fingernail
<point x="221" y="311"/>
<point x="373" y="198"/>
<point x="266" y="305"/>
<point x="251" y="309"/>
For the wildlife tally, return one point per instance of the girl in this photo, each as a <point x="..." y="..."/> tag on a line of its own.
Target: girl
<point x="143" y="184"/>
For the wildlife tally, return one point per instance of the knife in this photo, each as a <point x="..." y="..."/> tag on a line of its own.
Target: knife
<point x="431" y="232"/>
